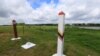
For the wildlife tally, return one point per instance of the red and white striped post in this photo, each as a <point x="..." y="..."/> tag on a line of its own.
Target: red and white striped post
<point x="61" y="24"/>
<point x="15" y="30"/>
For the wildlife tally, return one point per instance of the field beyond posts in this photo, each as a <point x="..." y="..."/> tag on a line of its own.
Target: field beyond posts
<point x="78" y="42"/>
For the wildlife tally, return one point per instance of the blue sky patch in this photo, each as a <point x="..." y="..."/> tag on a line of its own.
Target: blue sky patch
<point x="37" y="3"/>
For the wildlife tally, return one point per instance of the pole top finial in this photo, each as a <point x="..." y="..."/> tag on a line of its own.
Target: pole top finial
<point x="14" y="20"/>
<point x="61" y="13"/>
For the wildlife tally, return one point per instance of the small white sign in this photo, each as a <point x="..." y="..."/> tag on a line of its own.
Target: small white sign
<point x="28" y="45"/>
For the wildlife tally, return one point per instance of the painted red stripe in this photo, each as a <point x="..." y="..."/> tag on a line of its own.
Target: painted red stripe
<point x="61" y="36"/>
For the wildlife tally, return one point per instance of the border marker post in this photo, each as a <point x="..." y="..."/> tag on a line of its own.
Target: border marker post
<point x="61" y="26"/>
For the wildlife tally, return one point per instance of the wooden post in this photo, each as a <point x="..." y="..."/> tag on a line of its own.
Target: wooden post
<point x="23" y="30"/>
<point x="15" y="29"/>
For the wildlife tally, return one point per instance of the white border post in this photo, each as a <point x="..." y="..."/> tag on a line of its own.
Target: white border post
<point x="61" y="24"/>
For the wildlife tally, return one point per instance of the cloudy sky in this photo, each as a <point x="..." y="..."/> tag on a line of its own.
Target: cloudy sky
<point x="45" y="11"/>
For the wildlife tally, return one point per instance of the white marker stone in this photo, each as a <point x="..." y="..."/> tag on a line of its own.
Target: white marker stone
<point x="28" y="45"/>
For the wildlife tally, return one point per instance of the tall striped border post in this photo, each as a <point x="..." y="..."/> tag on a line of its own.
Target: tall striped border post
<point x="61" y="23"/>
<point x="15" y="30"/>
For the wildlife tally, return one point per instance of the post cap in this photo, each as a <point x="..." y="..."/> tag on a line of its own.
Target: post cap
<point x="61" y="13"/>
<point x="14" y="20"/>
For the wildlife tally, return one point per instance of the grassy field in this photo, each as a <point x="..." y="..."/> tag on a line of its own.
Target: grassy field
<point x="78" y="42"/>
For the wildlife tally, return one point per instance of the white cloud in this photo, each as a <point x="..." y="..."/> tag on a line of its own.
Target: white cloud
<point x="81" y="11"/>
<point x="95" y="12"/>
<point x="4" y="21"/>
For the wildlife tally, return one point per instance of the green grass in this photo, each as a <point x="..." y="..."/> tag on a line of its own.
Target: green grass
<point x="78" y="42"/>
